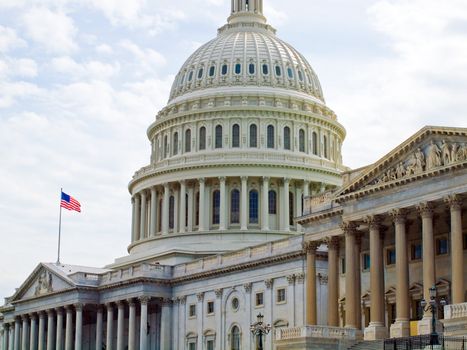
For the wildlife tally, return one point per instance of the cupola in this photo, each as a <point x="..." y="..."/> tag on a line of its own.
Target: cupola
<point x="247" y="11"/>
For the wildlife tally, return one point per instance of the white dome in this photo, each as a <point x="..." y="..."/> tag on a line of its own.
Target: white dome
<point x="246" y="54"/>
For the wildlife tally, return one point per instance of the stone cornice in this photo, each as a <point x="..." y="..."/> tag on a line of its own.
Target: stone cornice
<point x="320" y="216"/>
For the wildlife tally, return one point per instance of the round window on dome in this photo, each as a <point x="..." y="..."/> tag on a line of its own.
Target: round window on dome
<point x="235" y="304"/>
<point x="265" y="69"/>
<point x="251" y="68"/>
<point x="278" y="71"/>
<point x="200" y="73"/>
<point x="290" y="73"/>
<point x="224" y="69"/>
<point x="212" y="71"/>
<point x="238" y="69"/>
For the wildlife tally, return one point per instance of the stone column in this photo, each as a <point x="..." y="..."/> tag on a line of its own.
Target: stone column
<point x="17" y="333"/>
<point x="333" y="281"/>
<point x="190" y="208"/>
<point x="202" y="202"/>
<point x="376" y="329"/>
<point x="182" y="224"/>
<point x="25" y="333"/>
<point x="223" y="210"/>
<point x="311" y="307"/>
<point x="429" y="277"/>
<point x="218" y="315"/>
<point x="200" y="318"/>
<point x="99" y="327"/>
<point x="166" y="325"/>
<point x="291" y="300"/>
<point x="265" y="205"/>
<point x="133" y="219"/>
<point x="137" y="229"/>
<point x="143" y="338"/>
<point x="176" y="195"/>
<point x="33" y="334"/>
<point x="153" y="216"/>
<point x="457" y="252"/>
<point x="41" y="340"/>
<point x="358" y="280"/>
<point x="51" y="331"/>
<point x="244" y="204"/>
<point x="143" y="224"/>
<point x="59" y="332"/>
<point x="11" y="337"/>
<point x="68" y="329"/>
<point x="401" y="328"/>
<point x="110" y="326"/>
<point x="6" y="331"/>
<point x="306" y="188"/>
<point x="298" y="205"/>
<point x="120" y="324"/>
<point x="79" y="326"/>
<point x="132" y="325"/>
<point x="349" y="229"/>
<point x="165" y="210"/>
<point x="285" y="206"/>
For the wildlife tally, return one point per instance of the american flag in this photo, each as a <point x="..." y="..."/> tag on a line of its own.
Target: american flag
<point x="68" y="202"/>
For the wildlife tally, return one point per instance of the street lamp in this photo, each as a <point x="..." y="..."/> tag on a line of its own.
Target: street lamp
<point x="433" y="306"/>
<point x="258" y="329"/>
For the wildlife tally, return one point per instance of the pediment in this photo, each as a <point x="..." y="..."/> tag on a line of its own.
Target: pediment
<point x="431" y="151"/>
<point x="42" y="281"/>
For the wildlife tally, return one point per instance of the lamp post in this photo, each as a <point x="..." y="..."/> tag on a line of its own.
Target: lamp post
<point x="432" y="306"/>
<point x="258" y="329"/>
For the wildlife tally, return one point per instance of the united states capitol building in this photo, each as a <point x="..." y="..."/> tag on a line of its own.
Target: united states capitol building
<point x="246" y="208"/>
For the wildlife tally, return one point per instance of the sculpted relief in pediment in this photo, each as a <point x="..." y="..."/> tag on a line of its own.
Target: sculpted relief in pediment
<point x="434" y="155"/>
<point x="44" y="283"/>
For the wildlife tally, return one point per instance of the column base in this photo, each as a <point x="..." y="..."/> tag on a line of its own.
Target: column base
<point x="400" y="329"/>
<point x="375" y="331"/>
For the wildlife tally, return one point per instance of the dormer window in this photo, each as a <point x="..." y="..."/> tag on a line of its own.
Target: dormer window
<point x="251" y="68"/>
<point x="225" y="69"/>
<point x="238" y="69"/>
<point x="212" y="71"/>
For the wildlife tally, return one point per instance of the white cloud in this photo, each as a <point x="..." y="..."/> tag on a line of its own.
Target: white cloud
<point x="92" y="70"/>
<point x="53" y="30"/>
<point x="9" y="39"/>
<point x="104" y="49"/>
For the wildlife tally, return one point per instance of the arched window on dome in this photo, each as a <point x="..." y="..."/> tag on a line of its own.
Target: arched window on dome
<point x="314" y="140"/>
<point x="238" y="68"/>
<point x="212" y="71"/>
<point x="265" y="69"/>
<point x="171" y="212"/>
<point x="182" y="80"/>
<point x="272" y="196"/>
<point x="218" y="136"/>
<point x="278" y="71"/>
<point x="271" y="141"/>
<point x="251" y="68"/>
<point x="236" y="136"/>
<point x="224" y="69"/>
<point x="202" y="138"/>
<point x="287" y="138"/>
<point x="254" y="206"/>
<point x="290" y="72"/>
<point x="235" y="338"/>
<point x="188" y="141"/>
<point x="166" y="146"/>
<point x="291" y="208"/>
<point x="301" y="140"/>
<point x="300" y="75"/>
<point x="253" y="136"/>
<point x="197" y="209"/>
<point x="235" y="207"/>
<point x="325" y="147"/>
<point x="175" y="144"/>
<point x="200" y="73"/>
<point x="216" y="207"/>
<point x="190" y="76"/>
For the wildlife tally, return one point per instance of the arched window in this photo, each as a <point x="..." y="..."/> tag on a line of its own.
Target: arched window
<point x="166" y="146"/>
<point x="202" y="138"/>
<point x="253" y="136"/>
<point x="235" y="207"/>
<point x="238" y="69"/>
<point x="235" y="338"/>
<point x="171" y="212"/>
<point x="175" y="144"/>
<point x="271" y="141"/>
<point x="188" y="141"/>
<point x="224" y="69"/>
<point x="216" y="204"/>
<point x="315" y="143"/>
<point x="290" y="73"/>
<point x="325" y="146"/>
<point x="200" y="73"/>
<point x="287" y="138"/>
<point x="265" y="69"/>
<point x="300" y="75"/>
<point x="219" y="136"/>
<point x="254" y="207"/>
<point x="197" y="209"/>
<point x="251" y="68"/>
<point x="190" y="76"/>
<point x="291" y="206"/>
<point x="212" y="71"/>
<point x="301" y="140"/>
<point x="272" y="202"/>
<point x="278" y="71"/>
<point x="236" y="136"/>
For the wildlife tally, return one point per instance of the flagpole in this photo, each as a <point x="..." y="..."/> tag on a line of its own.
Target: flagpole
<point x="59" y="227"/>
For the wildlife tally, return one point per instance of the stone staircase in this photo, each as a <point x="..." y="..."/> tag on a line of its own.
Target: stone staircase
<point x="368" y="345"/>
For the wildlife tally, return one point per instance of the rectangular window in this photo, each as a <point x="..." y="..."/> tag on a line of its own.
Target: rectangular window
<point x="192" y="346"/>
<point x="442" y="246"/>
<point x="281" y="295"/>
<point x="192" y="310"/>
<point x="259" y="299"/>
<point x="210" y="345"/>
<point x="210" y="308"/>
<point x="366" y="261"/>
<point x="390" y="256"/>
<point x="416" y="251"/>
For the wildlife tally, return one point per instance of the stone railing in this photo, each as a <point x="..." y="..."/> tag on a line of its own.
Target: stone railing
<point x="314" y="204"/>
<point x="316" y="332"/>
<point x="135" y="271"/>
<point x="455" y="311"/>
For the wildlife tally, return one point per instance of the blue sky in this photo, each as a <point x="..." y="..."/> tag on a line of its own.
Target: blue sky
<point x="80" y="81"/>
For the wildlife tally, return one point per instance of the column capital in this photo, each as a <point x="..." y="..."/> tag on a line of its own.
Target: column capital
<point x="200" y="296"/>
<point x="244" y="178"/>
<point x="222" y="178"/>
<point x="109" y="305"/>
<point x="300" y="278"/>
<point x="166" y="302"/>
<point x="453" y="201"/>
<point x="269" y="282"/>
<point x="182" y="182"/>
<point x="332" y="242"/>
<point x="143" y="193"/>
<point x="219" y="292"/>
<point x="33" y="316"/>
<point x="120" y="304"/>
<point x="306" y="182"/>
<point x="247" y="286"/>
<point x="311" y="246"/>
<point x="42" y="314"/>
<point x="373" y="221"/>
<point x="201" y="180"/>
<point x="425" y="209"/>
<point x="144" y="299"/>
<point x="100" y="308"/>
<point x="59" y="310"/>
<point x="183" y="299"/>
<point x="399" y="216"/>
<point x="79" y="306"/>
<point x="131" y="302"/>
<point x="153" y="190"/>
<point x="266" y="178"/>
<point x="50" y="312"/>
<point x="286" y="180"/>
<point x="25" y="317"/>
<point x="166" y="186"/>
<point x="348" y="227"/>
<point x="291" y="279"/>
